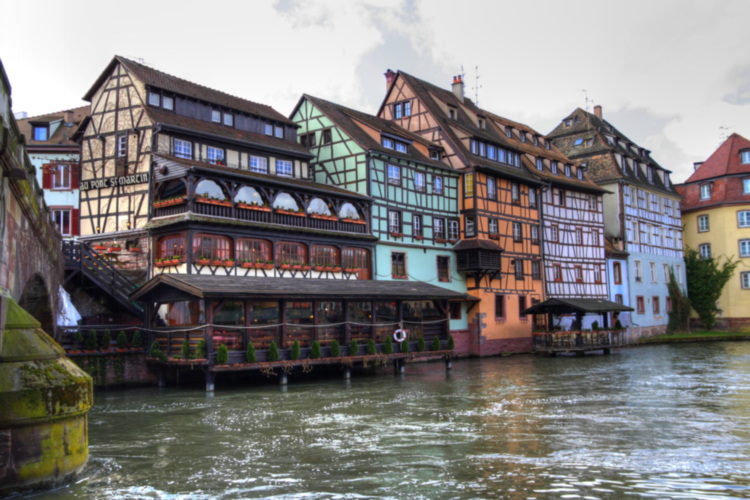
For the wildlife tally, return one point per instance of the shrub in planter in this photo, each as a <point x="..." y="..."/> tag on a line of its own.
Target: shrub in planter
<point x="78" y="338"/>
<point x="273" y="352"/>
<point x="388" y="345"/>
<point x="294" y="354"/>
<point x="354" y="348"/>
<point x="156" y="352"/>
<point x="122" y="340"/>
<point x="90" y="343"/>
<point x="136" y="341"/>
<point x="436" y="344"/>
<point x="185" y="349"/>
<point x="595" y="326"/>
<point x="106" y="340"/>
<point x="451" y="343"/>
<point x="315" y="350"/>
<point x="250" y="354"/>
<point x="222" y="355"/>
<point x="405" y="346"/>
<point x="201" y="351"/>
<point x="421" y="345"/>
<point x="618" y="325"/>
<point x="335" y="349"/>
<point x="371" y="349"/>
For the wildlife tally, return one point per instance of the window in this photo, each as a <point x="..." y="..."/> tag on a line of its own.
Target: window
<point x="518" y="269"/>
<point x="627" y="195"/>
<point x="509" y="132"/>
<point x="216" y="116"/>
<point x="492" y="227"/>
<point x="401" y="147"/>
<point x="307" y="140"/>
<point x="665" y="269"/>
<point x="215" y="155"/>
<point x="168" y="246"/>
<point x="258" y="164"/>
<point x="499" y="307"/>
<point x="534" y="234"/>
<point x="207" y="246"/>
<point x="554" y="233"/>
<point x="595" y="238"/>
<point x="640" y="305"/>
<point x="650" y="174"/>
<point x="183" y="149"/>
<point x="578" y="271"/>
<point x="515" y="192"/>
<point x="578" y="141"/>
<point x="291" y="253"/>
<point x="437" y="185"/>
<point x="387" y="143"/>
<point x="536" y="270"/>
<point x="122" y="146"/>
<point x="278" y="131"/>
<point x="470" y="226"/>
<point x="638" y="271"/>
<point x="678" y="273"/>
<point x="468" y="185"/>
<point x="438" y="229"/>
<point x="743" y="218"/>
<point x="532" y="197"/>
<point x="444" y="268"/>
<point x="41" y="132"/>
<point x="617" y="273"/>
<point x="401" y="109"/>
<point x="228" y="119"/>
<point x="153" y="99"/>
<point x="62" y="219"/>
<point x="521" y="306"/>
<point x="560" y="197"/>
<point x="394" y="175"/>
<point x="358" y="258"/>
<point x="491" y="152"/>
<point x="324" y="255"/>
<point x="655" y="203"/>
<point x="398" y="265"/>
<point x="394" y="222"/>
<point x="453" y="230"/>
<point x="746" y="185"/>
<point x="652" y="268"/>
<point x="517" y="232"/>
<point x="704" y="250"/>
<point x="419" y="181"/>
<point x="522" y="135"/>
<point x="745" y="157"/>
<point x="568" y="123"/>
<point x="491" y="188"/>
<point x="655" y="304"/>
<point x="167" y="103"/>
<point x="539" y="164"/>
<point x="745" y="279"/>
<point x="268" y="129"/>
<point x="567" y="171"/>
<point x="668" y="304"/>
<point x="284" y="167"/>
<point x="578" y="236"/>
<point x="556" y="272"/>
<point x="61" y="177"/>
<point x="744" y="248"/>
<point x="434" y="154"/>
<point x="703" y="223"/>
<point x="705" y="191"/>
<point x="327" y="136"/>
<point x="452" y="113"/>
<point x="553" y="167"/>
<point x="416" y="225"/>
<point x="252" y="250"/>
<point x="579" y="173"/>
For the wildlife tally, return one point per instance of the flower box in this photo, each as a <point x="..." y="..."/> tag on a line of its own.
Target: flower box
<point x="249" y="265"/>
<point x="114" y="249"/>
<point x="134" y="249"/>
<point x="248" y="206"/>
<point x="351" y="270"/>
<point x="324" y="217"/>
<point x="336" y="270"/>
<point x="289" y="212"/>
<point x="494" y="236"/>
<point x="441" y="240"/>
<point x="228" y="263"/>
<point x="396" y="235"/>
<point x="267" y="266"/>
<point x="305" y="268"/>
<point x="452" y="240"/>
<point x="222" y="203"/>
<point x="162" y="263"/>
<point x="99" y="248"/>
<point x="202" y="262"/>
<point x="285" y="267"/>
<point x="419" y="238"/>
<point x="353" y="221"/>
<point x="320" y="268"/>
<point x="400" y="277"/>
<point x="217" y="262"/>
<point x="175" y="262"/>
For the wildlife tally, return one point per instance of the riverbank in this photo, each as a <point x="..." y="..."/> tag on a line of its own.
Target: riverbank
<point x="699" y="336"/>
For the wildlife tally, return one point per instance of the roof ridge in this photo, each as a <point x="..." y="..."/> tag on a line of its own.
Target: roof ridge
<point x="62" y="111"/>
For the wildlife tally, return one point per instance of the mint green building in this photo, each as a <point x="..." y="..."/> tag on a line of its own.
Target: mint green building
<point x="415" y="210"/>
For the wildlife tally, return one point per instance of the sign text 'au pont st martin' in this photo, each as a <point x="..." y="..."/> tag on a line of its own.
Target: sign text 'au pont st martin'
<point x="110" y="182"/>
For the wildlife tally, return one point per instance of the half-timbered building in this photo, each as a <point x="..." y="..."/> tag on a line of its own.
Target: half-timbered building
<point x="499" y="204"/>
<point x="241" y="246"/>
<point x="415" y="197"/>
<point x="642" y="211"/>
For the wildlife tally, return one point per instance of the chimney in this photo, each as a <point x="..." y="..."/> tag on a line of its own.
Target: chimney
<point x="389" y="77"/>
<point x="598" y="111"/>
<point x="68" y="116"/>
<point x="697" y="165"/>
<point x="458" y="87"/>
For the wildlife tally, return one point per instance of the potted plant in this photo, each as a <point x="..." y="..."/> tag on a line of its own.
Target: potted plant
<point x="335" y="349"/>
<point x="273" y="352"/>
<point x="106" y="340"/>
<point x="122" y="342"/>
<point x="248" y="264"/>
<point x="351" y="270"/>
<point x="320" y="268"/>
<point x="435" y="344"/>
<point x="395" y="234"/>
<point x="388" y="345"/>
<point x="250" y="353"/>
<point x="285" y="266"/>
<point x="419" y="237"/>
<point x="90" y="344"/>
<point x="185" y="349"/>
<point x="136" y="342"/>
<point x="336" y="269"/>
<point x="156" y="352"/>
<point x="421" y="345"/>
<point x="354" y="348"/>
<point x="451" y="343"/>
<point x="222" y="355"/>
<point x="115" y="247"/>
<point x="294" y="352"/>
<point x="371" y="347"/>
<point x="78" y="338"/>
<point x="315" y="350"/>
<point x="201" y="351"/>
<point x="305" y="267"/>
<point x="175" y="260"/>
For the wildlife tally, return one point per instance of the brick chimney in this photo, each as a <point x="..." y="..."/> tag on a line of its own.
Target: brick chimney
<point x="598" y="111"/>
<point x="389" y="77"/>
<point x="458" y="87"/>
<point x="697" y="165"/>
<point x="68" y="116"/>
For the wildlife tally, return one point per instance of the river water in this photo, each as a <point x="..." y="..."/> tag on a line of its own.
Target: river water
<point x="654" y="422"/>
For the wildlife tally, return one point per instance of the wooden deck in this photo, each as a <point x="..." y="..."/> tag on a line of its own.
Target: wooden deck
<point x="578" y="342"/>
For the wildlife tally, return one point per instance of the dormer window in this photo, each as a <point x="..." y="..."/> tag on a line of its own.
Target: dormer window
<point x="480" y="123"/>
<point x="278" y="132"/>
<point x="387" y="143"/>
<point x="216" y="116"/>
<point x="167" y="103"/>
<point x="705" y="191"/>
<point x="452" y="113"/>
<point x="400" y="147"/>
<point x="509" y="132"/>
<point x="547" y="145"/>
<point x="553" y="167"/>
<point x="539" y="164"/>
<point x="153" y="99"/>
<point x="650" y="174"/>
<point x="536" y="140"/>
<point x="522" y="136"/>
<point x="745" y="157"/>
<point x="579" y="173"/>
<point x="268" y="129"/>
<point x="567" y="171"/>
<point x="434" y="155"/>
<point x="578" y="142"/>
<point x="229" y="119"/>
<point x="568" y="123"/>
<point x="588" y="142"/>
<point x="41" y="132"/>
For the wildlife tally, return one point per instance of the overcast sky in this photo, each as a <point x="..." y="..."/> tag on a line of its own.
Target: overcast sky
<point x="673" y="75"/>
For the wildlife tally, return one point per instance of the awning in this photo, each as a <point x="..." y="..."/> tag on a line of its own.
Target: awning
<point x="167" y="287"/>
<point x="571" y="306"/>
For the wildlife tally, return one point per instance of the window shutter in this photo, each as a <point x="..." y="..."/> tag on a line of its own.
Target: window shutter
<point x="74" y="222"/>
<point x="47" y="176"/>
<point x="75" y="175"/>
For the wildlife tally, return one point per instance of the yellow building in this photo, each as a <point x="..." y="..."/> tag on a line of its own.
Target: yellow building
<point x="716" y="218"/>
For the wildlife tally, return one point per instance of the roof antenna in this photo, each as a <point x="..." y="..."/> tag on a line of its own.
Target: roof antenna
<point x="723" y="134"/>
<point x="476" y="86"/>
<point x="586" y="97"/>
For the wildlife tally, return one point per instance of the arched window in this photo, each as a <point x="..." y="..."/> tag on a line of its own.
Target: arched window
<point x="318" y="206"/>
<point x="357" y="258"/>
<point x="325" y="255"/>
<point x="250" y="196"/>
<point x="617" y="271"/>
<point x="209" y="189"/>
<point x="252" y="250"/>
<point x="348" y="211"/>
<point x="172" y="245"/>
<point x="209" y="246"/>
<point x="291" y="253"/>
<point x="284" y="201"/>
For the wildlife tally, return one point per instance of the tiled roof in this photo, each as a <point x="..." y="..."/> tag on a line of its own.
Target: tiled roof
<point x="158" y="79"/>
<point x="611" y="251"/>
<point x="348" y="119"/>
<point x="724" y="161"/>
<point x="62" y="136"/>
<point x="191" y="126"/>
<point x="599" y="157"/>
<point x="199" y="285"/>
<point x="160" y="158"/>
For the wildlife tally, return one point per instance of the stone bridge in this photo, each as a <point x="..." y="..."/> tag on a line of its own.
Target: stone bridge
<point x="31" y="265"/>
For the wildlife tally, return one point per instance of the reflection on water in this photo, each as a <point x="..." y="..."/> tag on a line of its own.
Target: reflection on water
<point x="661" y="422"/>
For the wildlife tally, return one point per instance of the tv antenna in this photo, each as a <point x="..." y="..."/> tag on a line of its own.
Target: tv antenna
<point x="476" y="86"/>
<point x="723" y="134"/>
<point x="586" y="98"/>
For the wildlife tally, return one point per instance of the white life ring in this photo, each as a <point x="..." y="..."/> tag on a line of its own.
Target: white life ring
<point x="399" y="335"/>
